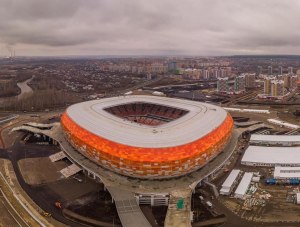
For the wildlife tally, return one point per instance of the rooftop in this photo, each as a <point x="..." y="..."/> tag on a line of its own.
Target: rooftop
<point x="198" y="120"/>
<point x="231" y="178"/>
<point x="244" y="184"/>
<point x="275" y="138"/>
<point x="272" y="155"/>
<point x="286" y="172"/>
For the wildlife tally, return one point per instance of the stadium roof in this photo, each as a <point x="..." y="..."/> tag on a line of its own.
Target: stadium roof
<point x="201" y="119"/>
<point x="272" y="155"/>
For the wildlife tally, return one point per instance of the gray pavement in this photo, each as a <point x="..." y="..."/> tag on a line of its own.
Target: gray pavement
<point x="179" y="217"/>
<point x="128" y="209"/>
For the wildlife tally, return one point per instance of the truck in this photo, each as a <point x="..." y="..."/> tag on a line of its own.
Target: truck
<point x="271" y="181"/>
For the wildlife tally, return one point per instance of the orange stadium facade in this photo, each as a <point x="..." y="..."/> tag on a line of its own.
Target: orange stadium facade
<point x="148" y="162"/>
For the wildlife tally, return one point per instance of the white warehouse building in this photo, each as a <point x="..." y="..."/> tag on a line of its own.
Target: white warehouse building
<point x="230" y="182"/>
<point x="278" y="140"/>
<point x="243" y="186"/>
<point x="271" y="156"/>
<point x="286" y="172"/>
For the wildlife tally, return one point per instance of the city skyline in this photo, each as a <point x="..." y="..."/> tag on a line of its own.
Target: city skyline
<point x="203" y="28"/>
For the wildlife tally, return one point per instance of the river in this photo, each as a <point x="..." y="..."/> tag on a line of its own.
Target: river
<point x="25" y="89"/>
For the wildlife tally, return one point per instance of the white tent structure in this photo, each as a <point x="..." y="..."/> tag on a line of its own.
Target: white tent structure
<point x="243" y="186"/>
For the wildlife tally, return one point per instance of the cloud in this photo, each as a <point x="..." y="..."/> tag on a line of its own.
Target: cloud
<point x="195" y="27"/>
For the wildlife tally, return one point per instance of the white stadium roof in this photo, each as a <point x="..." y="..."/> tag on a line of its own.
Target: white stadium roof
<point x="201" y="119"/>
<point x="261" y="155"/>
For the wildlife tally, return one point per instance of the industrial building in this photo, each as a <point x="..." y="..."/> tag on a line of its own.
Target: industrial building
<point x="278" y="140"/>
<point x="271" y="156"/>
<point x="247" y="110"/>
<point x="230" y="182"/>
<point x="281" y="172"/>
<point x="243" y="186"/>
<point x="283" y="124"/>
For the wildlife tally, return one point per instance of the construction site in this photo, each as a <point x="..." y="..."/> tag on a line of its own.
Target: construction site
<point x="260" y="184"/>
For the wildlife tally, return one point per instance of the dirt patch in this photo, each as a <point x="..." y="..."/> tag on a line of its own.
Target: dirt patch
<point x="37" y="171"/>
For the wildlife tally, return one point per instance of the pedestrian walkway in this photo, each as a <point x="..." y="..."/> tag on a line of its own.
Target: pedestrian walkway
<point x="128" y="209"/>
<point x="179" y="209"/>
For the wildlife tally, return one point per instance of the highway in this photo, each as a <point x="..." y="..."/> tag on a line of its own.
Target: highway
<point x="8" y="216"/>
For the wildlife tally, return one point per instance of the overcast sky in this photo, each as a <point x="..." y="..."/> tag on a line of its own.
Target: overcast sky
<point x="149" y="27"/>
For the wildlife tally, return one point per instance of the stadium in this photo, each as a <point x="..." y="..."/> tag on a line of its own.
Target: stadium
<point x="147" y="137"/>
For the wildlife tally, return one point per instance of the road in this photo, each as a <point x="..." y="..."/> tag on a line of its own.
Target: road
<point x="2" y="143"/>
<point x="185" y="85"/>
<point x="39" y="195"/>
<point x="8" y="216"/>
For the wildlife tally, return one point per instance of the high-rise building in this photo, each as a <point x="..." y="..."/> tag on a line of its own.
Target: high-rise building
<point x="259" y="70"/>
<point x="172" y="66"/>
<point x="157" y="68"/>
<point x="270" y="70"/>
<point x="277" y="88"/>
<point x="293" y="81"/>
<point x="290" y="70"/>
<point x="290" y="81"/>
<point x="249" y="80"/>
<point x="223" y="73"/>
<point x="267" y="86"/>
<point x="239" y="84"/>
<point x="222" y="85"/>
<point x="205" y="74"/>
<point x="216" y="73"/>
<point x="191" y="74"/>
<point x="286" y="80"/>
<point x="280" y="70"/>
